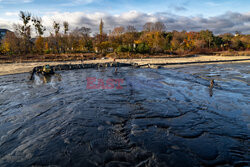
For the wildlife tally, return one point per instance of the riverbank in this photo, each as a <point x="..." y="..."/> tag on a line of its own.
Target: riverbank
<point x="13" y="68"/>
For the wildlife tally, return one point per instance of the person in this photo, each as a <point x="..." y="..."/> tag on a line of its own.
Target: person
<point x="32" y="74"/>
<point x="211" y="87"/>
<point x="211" y="83"/>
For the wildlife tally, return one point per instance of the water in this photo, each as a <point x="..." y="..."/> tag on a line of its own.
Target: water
<point x="161" y="117"/>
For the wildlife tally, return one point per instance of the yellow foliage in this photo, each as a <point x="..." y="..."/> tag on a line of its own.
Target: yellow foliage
<point x="137" y="41"/>
<point x="248" y="46"/>
<point x="6" y="47"/>
<point x="39" y="44"/>
<point x="46" y="46"/>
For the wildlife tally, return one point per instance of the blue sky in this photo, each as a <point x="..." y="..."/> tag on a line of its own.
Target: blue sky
<point x="203" y="9"/>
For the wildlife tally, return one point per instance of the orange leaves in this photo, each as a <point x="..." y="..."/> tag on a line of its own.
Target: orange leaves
<point x="39" y="45"/>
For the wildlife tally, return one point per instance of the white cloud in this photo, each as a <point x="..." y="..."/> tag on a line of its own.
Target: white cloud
<point x="15" y="1"/>
<point x="78" y="2"/>
<point x="11" y="13"/>
<point x="228" y="22"/>
<point x="213" y="4"/>
<point x="5" y="24"/>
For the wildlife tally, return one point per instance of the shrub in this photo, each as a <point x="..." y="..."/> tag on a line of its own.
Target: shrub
<point x="143" y="48"/>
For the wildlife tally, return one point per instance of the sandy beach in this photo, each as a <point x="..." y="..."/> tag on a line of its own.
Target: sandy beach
<point x="14" y="68"/>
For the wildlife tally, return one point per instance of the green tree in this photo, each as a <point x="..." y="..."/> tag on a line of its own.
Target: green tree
<point x="143" y="48"/>
<point x="207" y="36"/>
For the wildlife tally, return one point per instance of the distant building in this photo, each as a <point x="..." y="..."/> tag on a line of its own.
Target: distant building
<point x="3" y="33"/>
<point x="237" y="33"/>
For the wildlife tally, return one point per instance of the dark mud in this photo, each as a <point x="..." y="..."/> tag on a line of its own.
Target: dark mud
<point x="161" y="117"/>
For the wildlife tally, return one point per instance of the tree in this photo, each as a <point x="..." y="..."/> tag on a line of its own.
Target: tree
<point x="55" y="41"/>
<point x="131" y="29"/>
<point x="218" y="42"/>
<point x="11" y="44"/>
<point x="40" y="29"/>
<point x="159" y="26"/>
<point x="56" y="27"/>
<point x="149" y="26"/>
<point x="237" y="44"/>
<point x="227" y="40"/>
<point x="66" y="27"/>
<point x="207" y="36"/>
<point x="24" y="30"/>
<point x="101" y="27"/>
<point x="83" y="31"/>
<point x="118" y="31"/>
<point x="80" y="40"/>
<point x="199" y="44"/>
<point x="143" y="48"/>
<point x="178" y="40"/>
<point x="39" y="45"/>
<point x="37" y="22"/>
<point x="85" y="34"/>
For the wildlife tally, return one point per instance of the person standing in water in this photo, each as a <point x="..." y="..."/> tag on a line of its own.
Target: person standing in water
<point x="211" y="87"/>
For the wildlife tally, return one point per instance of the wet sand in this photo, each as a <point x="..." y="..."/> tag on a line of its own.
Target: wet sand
<point x="15" y="68"/>
<point x="161" y="117"/>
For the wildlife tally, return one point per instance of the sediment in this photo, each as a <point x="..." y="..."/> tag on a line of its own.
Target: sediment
<point x="14" y="68"/>
<point x="62" y="67"/>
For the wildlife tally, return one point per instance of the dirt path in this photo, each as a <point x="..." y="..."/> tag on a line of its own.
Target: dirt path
<point x="14" y="68"/>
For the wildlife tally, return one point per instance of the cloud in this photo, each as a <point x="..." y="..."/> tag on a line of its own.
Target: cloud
<point x="5" y="24"/>
<point x="78" y="2"/>
<point x="11" y="13"/>
<point x="180" y="8"/>
<point x="15" y="1"/>
<point x="228" y="22"/>
<point x="213" y="4"/>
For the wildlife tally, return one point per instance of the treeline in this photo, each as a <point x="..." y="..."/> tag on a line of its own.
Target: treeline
<point x="154" y="39"/>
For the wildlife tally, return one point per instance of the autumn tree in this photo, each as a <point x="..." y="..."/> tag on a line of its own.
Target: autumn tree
<point x="118" y="31"/>
<point x="159" y="27"/>
<point x="129" y="37"/>
<point x="56" y="27"/>
<point x="131" y="29"/>
<point x="11" y="44"/>
<point x="207" y="36"/>
<point x="237" y="44"/>
<point x="177" y="43"/>
<point x="85" y="35"/>
<point x="66" y="27"/>
<point x="56" y="39"/>
<point x="24" y="31"/>
<point x="149" y="26"/>
<point x="227" y="40"/>
<point x="40" y="29"/>
<point x="82" y="36"/>
<point x="246" y="41"/>
<point x="101" y="27"/>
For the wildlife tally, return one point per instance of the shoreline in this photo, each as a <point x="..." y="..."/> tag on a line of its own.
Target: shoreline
<point x="16" y="68"/>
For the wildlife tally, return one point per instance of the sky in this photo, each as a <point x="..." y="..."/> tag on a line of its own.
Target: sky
<point x="219" y="16"/>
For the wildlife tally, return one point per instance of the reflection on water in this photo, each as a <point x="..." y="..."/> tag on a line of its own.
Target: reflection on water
<point x="163" y="117"/>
